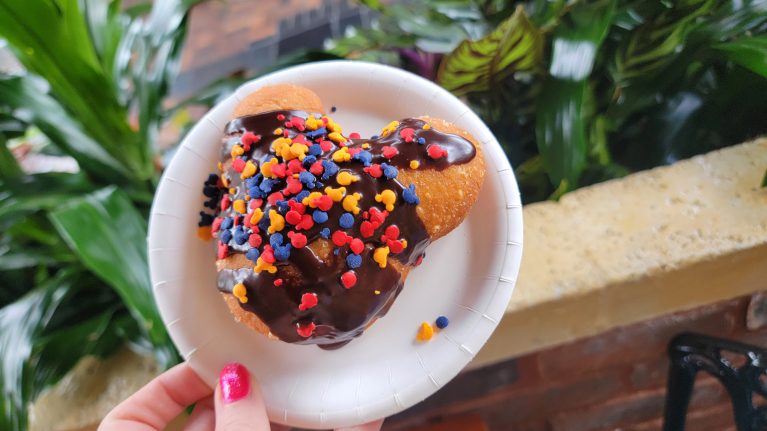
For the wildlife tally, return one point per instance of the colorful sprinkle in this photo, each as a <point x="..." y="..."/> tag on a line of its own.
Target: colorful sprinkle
<point x="436" y="152"/>
<point x="425" y="332"/>
<point x="409" y="196"/>
<point x="380" y="256"/>
<point x="305" y="329"/>
<point x="345" y="178"/>
<point x="325" y="233"/>
<point x="422" y="141"/>
<point x="308" y="300"/>
<point x="349" y="279"/>
<point x="351" y="203"/>
<point x="442" y="322"/>
<point x="346" y="221"/>
<point x="388" y="198"/>
<point x="276" y="222"/>
<point x="414" y="164"/>
<point x="354" y="261"/>
<point x="240" y="292"/>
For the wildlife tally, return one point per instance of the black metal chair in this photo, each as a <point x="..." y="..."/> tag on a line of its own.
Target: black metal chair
<point x="691" y="353"/>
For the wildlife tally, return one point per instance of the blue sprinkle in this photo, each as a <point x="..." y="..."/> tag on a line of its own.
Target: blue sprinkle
<point x="315" y="150"/>
<point x="267" y="185"/>
<point x="442" y="322"/>
<point x="330" y="169"/>
<point x="303" y="194"/>
<point x="308" y="160"/>
<point x="282" y="205"/>
<point x="364" y="156"/>
<point x="336" y="251"/>
<point x="319" y="216"/>
<point x="256" y="193"/>
<point x="325" y="233"/>
<point x="354" y="261"/>
<point x="250" y="183"/>
<point x="276" y="240"/>
<point x="282" y="252"/>
<point x="252" y="254"/>
<point x="240" y="236"/>
<point x="346" y="221"/>
<point x="225" y="236"/>
<point x="227" y="223"/>
<point x="389" y="171"/>
<point x="374" y="137"/>
<point x="307" y="178"/>
<point x="319" y="185"/>
<point x="421" y="141"/>
<point x="264" y="223"/>
<point x="316" y="133"/>
<point x="409" y="196"/>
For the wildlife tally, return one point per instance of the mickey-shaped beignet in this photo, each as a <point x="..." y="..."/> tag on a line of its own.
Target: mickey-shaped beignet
<point x="317" y="230"/>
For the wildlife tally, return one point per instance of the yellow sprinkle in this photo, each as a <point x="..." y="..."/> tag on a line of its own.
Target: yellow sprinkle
<point x="426" y="127"/>
<point x="232" y="190"/>
<point x="345" y="178"/>
<point x="220" y="166"/>
<point x="333" y="126"/>
<point x="239" y="206"/>
<point x="425" y="332"/>
<point x="237" y="151"/>
<point x="377" y="292"/>
<point x="350" y="203"/>
<point x="404" y="243"/>
<point x="336" y="137"/>
<point x="388" y="198"/>
<point x="342" y="155"/>
<point x="224" y="180"/>
<point x="365" y="145"/>
<point x="203" y="232"/>
<point x="389" y="128"/>
<point x="266" y="168"/>
<point x="299" y="150"/>
<point x="414" y="164"/>
<point x="247" y="197"/>
<point x="249" y="170"/>
<point x="240" y="292"/>
<point x="279" y="145"/>
<point x="278" y="131"/>
<point x="311" y="200"/>
<point x="258" y="214"/>
<point x="379" y="255"/>
<point x="276" y="222"/>
<point x="335" y="194"/>
<point x="312" y="123"/>
<point x="261" y="265"/>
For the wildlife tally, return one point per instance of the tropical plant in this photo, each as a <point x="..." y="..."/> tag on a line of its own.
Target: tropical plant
<point x="73" y="258"/>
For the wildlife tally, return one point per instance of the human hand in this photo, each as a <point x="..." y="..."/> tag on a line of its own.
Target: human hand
<point x="236" y="405"/>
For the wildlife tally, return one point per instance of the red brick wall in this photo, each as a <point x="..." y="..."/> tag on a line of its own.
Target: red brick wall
<point x="613" y="381"/>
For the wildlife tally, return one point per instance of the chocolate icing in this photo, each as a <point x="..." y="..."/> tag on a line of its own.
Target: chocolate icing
<point x="341" y="314"/>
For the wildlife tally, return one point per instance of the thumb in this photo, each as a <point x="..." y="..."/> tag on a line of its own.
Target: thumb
<point x="239" y="403"/>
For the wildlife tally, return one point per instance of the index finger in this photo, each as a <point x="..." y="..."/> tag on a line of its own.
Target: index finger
<point x="159" y="402"/>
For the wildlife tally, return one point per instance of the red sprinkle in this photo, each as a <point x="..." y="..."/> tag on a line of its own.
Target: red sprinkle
<point x="389" y="152"/>
<point x="296" y="206"/>
<point x="305" y="330"/>
<point x="354" y="135"/>
<point x="279" y="170"/>
<point x="407" y="134"/>
<point x="223" y="250"/>
<point x="326" y="145"/>
<point x="216" y="225"/>
<point x="298" y="123"/>
<point x="306" y="222"/>
<point x="238" y="164"/>
<point x="436" y="152"/>
<point x="280" y="117"/>
<point x="293" y="217"/>
<point x="294" y="186"/>
<point x="339" y="238"/>
<point x="395" y="246"/>
<point x="357" y="246"/>
<point x="254" y="240"/>
<point x="419" y="260"/>
<point x="268" y="254"/>
<point x="392" y="232"/>
<point x="324" y="202"/>
<point x="297" y="240"/>
<point x="274" y="197"/>
<point x="249" y="138"/>
<point x="308" y="300"/>
<point x="374" y="170"/>
<point x="377" y="216"/>
<point x="225" y="201"/>
<point x="294" y="166"/>
<point x="278" y="282"/>
<point x="256" y="203"/>
<point x="349" y="279"/>
<point x="316" y="168"/>
<point x="301" y="139"/>
<point x="236" y="220"/>
<point x="366" y="229"/>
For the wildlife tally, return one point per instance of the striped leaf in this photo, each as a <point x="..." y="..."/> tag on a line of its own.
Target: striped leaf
<point x="516" y="44"/>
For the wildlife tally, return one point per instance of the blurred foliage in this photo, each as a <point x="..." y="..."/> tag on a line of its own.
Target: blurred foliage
<point x="576" y="91"/>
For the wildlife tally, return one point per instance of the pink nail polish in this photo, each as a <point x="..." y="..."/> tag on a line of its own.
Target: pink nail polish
<point x="235" y="382"/>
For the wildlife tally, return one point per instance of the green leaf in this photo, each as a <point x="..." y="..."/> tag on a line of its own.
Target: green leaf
<point x="560" y="127"/>
<point x="109" y="236"/>
<point x="749" y="52"/>
<point x="515" y="45"/>
<point x="34" y="106"/>
<point x="21" y="323"/>
<point x="51" y="39"/>
<point x="9" y="167"/>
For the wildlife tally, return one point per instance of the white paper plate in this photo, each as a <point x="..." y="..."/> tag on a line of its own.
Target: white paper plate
<point x="467" y="276"/>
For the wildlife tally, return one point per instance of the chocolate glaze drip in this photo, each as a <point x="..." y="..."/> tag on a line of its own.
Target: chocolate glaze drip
<point x="341" y="314"/>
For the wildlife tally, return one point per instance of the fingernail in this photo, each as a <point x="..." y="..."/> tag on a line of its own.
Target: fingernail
<point x="235" y="382"/>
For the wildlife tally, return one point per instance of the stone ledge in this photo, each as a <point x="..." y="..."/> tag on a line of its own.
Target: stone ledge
<point x="631" y="249"/>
